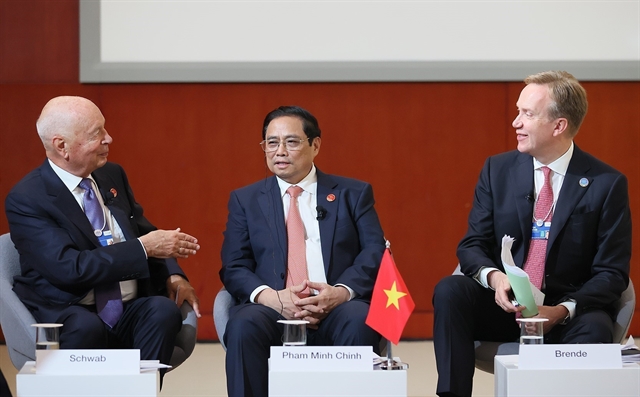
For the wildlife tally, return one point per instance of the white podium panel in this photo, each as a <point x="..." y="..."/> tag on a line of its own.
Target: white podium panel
<point x="28" y="384"/>
<point x="374" y="383"/>
<point x="510" y="381"/>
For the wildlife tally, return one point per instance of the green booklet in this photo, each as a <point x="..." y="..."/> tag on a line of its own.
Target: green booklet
<point x="526" y="293"/>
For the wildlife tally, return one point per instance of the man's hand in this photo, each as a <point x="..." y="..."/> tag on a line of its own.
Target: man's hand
<point x="180" y="290"/>
<point x="169" y="244"/>
<point x="555" y="314"/>
<point x="280" y="301"/>
<point x="500" y="283"/>
<point x="315" y="308"/>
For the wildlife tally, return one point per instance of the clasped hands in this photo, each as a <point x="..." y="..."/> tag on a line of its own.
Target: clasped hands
<point x="500" y="283"/>
<point x="169" y="244"/>
<point x="314" y="308"/>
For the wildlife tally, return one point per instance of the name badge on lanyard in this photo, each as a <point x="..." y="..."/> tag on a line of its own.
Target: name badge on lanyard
<point x="105" y="238"/>
<point x="540" y="231"/>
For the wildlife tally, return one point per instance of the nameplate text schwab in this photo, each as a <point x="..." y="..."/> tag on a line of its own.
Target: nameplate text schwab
<point x="88" y="362"/>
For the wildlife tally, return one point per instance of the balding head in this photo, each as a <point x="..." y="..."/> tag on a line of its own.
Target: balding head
<point x="63" y="116"/>
<point x="72" y="131"/>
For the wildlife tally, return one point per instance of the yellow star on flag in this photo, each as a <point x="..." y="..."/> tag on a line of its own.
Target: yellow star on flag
<point x="393" y="296"/>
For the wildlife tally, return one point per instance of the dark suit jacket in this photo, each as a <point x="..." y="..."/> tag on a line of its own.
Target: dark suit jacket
<point x="254" y="251"/>
<point x="589" y="245"/>
<point x="60" y="257"/>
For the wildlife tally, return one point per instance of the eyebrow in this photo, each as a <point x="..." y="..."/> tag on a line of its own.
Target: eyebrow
<point x="285" y="137"/>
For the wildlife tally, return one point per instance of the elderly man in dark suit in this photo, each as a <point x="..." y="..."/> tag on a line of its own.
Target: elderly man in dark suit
<point x="322" y="271"/>
<point x="90" y="260"/>
<point x="576" y="247"/>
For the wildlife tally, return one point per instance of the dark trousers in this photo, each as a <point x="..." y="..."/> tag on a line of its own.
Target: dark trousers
<point x="148" y="323"/>
<point x="464" y="312"/>
<point x="252" y="329"/>
<point x="4" y="387"/>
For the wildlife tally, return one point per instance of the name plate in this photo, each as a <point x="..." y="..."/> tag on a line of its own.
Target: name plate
<point x="321" y="358"/>
<point x="570" y="356"/>
<point x="88" y="362"/>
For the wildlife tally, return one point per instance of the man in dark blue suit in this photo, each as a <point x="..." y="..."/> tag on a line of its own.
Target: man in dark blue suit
<point x="65" y="259"/>
<point x="343" y="246"/>
<point x="588" y="237"/>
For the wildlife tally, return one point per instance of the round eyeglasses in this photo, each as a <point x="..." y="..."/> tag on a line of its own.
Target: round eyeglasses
<point x="292" y="144"/>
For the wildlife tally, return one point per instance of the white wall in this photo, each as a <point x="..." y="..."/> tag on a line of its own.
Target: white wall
<point x="266" y="40"/>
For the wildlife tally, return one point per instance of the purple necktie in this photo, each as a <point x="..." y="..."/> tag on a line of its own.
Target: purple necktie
<point x="108" y="297"/>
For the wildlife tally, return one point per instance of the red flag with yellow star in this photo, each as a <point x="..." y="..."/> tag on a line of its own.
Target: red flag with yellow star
<point x="391" y="304"/>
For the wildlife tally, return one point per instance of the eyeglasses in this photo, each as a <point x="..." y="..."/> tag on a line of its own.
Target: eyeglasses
<point x="292" y="144"/>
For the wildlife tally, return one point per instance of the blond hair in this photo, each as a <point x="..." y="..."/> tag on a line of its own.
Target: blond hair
<point x="568" y="97"/>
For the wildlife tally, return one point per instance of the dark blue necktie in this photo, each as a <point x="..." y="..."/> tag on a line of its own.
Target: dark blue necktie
<point x="108" y="297"/>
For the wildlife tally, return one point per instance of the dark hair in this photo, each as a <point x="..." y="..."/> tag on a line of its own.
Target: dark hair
<point x="309" y="123"/>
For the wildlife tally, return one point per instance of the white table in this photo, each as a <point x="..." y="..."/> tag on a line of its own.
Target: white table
<point x="510" y="381"/>
<point x="332" y="383"/>
<point x="28" y="384"/>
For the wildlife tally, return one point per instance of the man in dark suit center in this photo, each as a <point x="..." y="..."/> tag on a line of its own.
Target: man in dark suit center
<point x="569" y="215"/>
<point x="298" y="245"/>
<point x="89" y="258"/>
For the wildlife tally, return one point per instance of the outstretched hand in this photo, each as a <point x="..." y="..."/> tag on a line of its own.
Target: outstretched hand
<point x="169" y="244"/>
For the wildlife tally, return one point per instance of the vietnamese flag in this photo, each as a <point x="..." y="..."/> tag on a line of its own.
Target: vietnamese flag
<point x="391" y="304"/>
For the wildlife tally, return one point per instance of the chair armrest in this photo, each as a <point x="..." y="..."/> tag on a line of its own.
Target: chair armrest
<point x="221" y="305"/>
<point x="186" y="338"/>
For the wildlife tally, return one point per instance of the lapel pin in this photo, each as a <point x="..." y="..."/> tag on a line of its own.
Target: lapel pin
<point x="331" y="197"/>
<point x="584" y="182"/>
<point x="114" y="192"/>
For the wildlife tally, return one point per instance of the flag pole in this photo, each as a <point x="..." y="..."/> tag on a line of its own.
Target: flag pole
<point x="390" y="364"/>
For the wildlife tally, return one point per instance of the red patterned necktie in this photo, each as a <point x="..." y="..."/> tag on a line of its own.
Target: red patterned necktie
<point x="297" y="248"/>
<point x="534" y="265"/>
<point x="108" y="297"/>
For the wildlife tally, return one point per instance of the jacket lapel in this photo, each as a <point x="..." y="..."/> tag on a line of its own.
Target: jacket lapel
<point x="329" y="199"/>
<point x="271" y="206"/>
<point x="107" y="187"/>
<point x="570" y="194"/>
<point x="522" y="179"/>
<point x="64" y="200"/>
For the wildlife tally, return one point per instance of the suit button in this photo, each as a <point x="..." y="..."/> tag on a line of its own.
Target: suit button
<point x="282" y="276"/>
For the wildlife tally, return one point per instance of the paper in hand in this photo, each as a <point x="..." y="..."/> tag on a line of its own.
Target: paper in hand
<point x="526" y="293"/>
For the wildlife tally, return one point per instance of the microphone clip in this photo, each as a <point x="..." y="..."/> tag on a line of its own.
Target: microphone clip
<point x="321" y="213"/>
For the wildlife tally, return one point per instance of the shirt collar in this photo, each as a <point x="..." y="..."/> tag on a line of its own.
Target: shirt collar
<point x="309" y="183"/>
<point x="70" y="181"/>
<point x="560" y="165"/>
